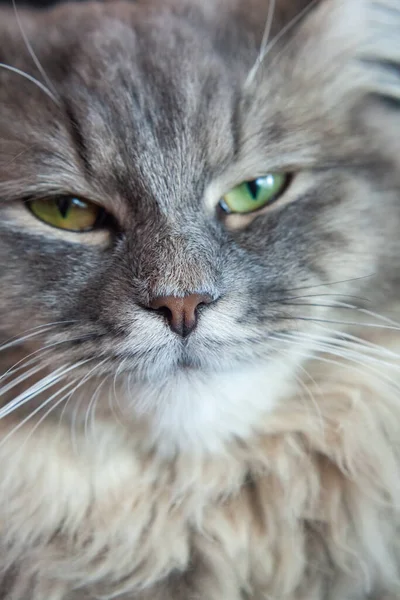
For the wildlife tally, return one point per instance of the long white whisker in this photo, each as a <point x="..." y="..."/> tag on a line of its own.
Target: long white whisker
<point x="91" y="406"/>
<point x="350" y="359"/>
<point x="390" y="323"/>
<point x="73" y="429"/>
<point x="17" y="156"/>
<point x="22" y="363"/>
<point x="42" y="350"/>
<point x="328" y="284"/>
<point x="312" y="397"/>
<point x="330" y="361"/>
<point x="115" y="395"/>
<point x="354" y="400"/>
<point x="264" y="41"/>
<point x="39" y="387"/>
<point x="51" y="409"/>
<point x="15" y="341"/>
<point x="113" y="398"/>
<point x="337" y="322"/>
<point x="377" y="316"/>
<point x="84" y="380"/>
<point x="26" y="375"/>
<point x="93" y="410"/>
<point x="31" y="392"/>
<point x="353" y="341"/>
<point x="31" y="79"/>
<point x="35" y="412"/>
<point x="305" y="296"/>
<point x="352" y="349"/>
<point x="276" y="39"/>
<point x="12" y="371"/>
<point x="309" y="392"/>
<point x="365" y="344"/>
<point x="369" y="313"/>
<point x="35" y="59"/>
<point x="335" y="345"/>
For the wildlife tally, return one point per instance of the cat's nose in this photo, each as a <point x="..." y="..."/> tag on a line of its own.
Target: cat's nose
<point x="181" y="313"/>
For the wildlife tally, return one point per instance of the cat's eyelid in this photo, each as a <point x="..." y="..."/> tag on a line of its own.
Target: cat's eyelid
<point x="19" y="217"/>
<point x="58" y="195"/>
<point x="115" y="209"/>
<point x="219" y="188"/>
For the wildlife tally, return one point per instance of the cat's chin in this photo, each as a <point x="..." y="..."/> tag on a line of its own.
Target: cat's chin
<point x="196" y="409"/>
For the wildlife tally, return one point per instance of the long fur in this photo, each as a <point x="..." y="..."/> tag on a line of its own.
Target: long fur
<point x="267" y="484"/>
<point x="314" y="494"/>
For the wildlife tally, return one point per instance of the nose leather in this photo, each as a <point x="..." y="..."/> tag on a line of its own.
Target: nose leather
<point x="180" y="312"/>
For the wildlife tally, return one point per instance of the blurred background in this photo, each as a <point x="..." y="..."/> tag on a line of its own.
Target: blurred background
<point x="34" y="3"/>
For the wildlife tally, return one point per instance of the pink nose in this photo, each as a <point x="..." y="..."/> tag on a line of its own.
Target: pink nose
<point x="181" y="313"/>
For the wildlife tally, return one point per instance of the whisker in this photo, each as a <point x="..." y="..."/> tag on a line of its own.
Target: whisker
<point x="264" y="41"/>
<point x="318" y="305"/>
<point x="355" y="401"/>
<point x="363" y="343"/>
<point x="35" y="412"/>
<point x="327" y="284"/>
<point x="26" y="375"/>
<point x="113" y="399"/>
<point x="17" y="156"/>
<point x="47" y="413"/>
<point x="334" y="322"/>
<point x="379" y="317"/>
<point x="74" y="415"/>
<point x="34" y="57"/>
<point x="343" y="338"/>
<point x="34" y="331"/>
<point x="268" y="47"/>
<point x="367" y="312"/>
<point x="36" y="352"/>
<point x="84" y="380"/>
<point x="329" y="344"/>
<point x="334" y="295"/>
<point x="323" y="359"/>
<point x="12" y="371"/>
<point x="31" y="79"/>
<point x="308" y="391"/>
<point x="91" y="404"/>
<point x="38" y="388"/>
<point x="22" y="363"/>
<point x="349" y="357"/>
<point x="115" y="395"/>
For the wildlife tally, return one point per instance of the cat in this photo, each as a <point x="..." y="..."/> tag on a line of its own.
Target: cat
<point x="199" y="236"/>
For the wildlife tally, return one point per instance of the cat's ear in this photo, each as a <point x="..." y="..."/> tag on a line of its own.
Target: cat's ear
<point x="361" y="37"/>
<point x="351" y="47"/>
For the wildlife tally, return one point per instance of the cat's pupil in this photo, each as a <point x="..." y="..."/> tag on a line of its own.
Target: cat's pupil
<point x="253" y="188"/>
<point x="64" y="205"/>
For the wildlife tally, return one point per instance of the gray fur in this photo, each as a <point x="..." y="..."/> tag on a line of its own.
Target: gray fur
<point x="152" y="113"/>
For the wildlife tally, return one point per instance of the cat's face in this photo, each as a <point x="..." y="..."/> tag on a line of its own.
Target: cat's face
<point x="155" y="114"/>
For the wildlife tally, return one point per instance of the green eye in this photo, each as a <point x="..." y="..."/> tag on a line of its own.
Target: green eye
<point x="253" y="195"/>
<point x="67" y="212"/>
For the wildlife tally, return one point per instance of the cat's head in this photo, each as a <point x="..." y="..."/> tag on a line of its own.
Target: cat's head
<point x="176" y="202"/>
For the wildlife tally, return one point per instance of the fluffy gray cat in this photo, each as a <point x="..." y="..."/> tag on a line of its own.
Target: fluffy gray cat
<point x="199" y="245"/>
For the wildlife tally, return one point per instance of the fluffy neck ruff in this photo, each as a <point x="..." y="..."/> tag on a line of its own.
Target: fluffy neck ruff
<point x="310" y="501"/>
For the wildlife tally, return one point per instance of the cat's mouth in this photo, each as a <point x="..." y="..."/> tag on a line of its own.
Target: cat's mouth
<point x="186" y="363"/>
<point x="170" y="360"/>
